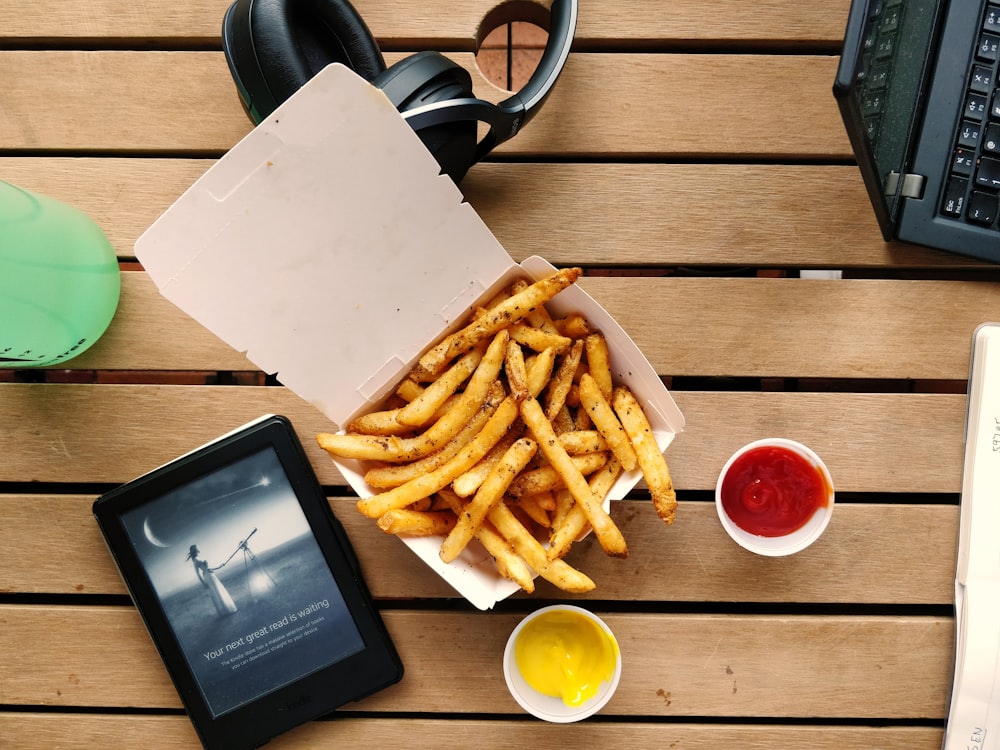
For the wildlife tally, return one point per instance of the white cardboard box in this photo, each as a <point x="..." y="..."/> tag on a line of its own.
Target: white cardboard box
<point x="327" y="246"/>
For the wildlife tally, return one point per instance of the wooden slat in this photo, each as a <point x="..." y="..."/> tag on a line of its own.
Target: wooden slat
<point x="124" y="196"/>
<point x="740" y="327"/>
<point x="93" y="433"/>
<point x="801" y="327"/>
<point x="874" y="554"/>
<point x="689" y="214"/>
<point x="120" y="101"/>
<point x="701" y="665"/>
<point x="151" y="333"/>
<point x="453" y="22"/>
<point x="644" y="215"/>
<point x="115" y="101"/>
<point x="121" y="732"/>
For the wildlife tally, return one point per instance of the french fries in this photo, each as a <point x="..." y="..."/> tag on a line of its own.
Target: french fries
<point x="654" y="466"/>
<point x="510" y="431"/>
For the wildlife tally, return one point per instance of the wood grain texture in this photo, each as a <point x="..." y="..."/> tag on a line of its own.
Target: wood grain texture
<point x="904" y="443"/>
<point x="739" y="327"/>
<point x="872" y="554"/>
<point x="444" y="23"/>
<point x="702" y="666"/>
<point x="185" y="102"/>
<point x="643" y="214"/>
<point x="84" y="732"/>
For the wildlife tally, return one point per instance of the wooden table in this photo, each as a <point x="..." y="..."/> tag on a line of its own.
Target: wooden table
<point x="692" y="160"/>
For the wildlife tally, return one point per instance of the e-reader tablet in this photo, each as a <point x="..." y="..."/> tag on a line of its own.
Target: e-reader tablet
<point x="248" y="586"/>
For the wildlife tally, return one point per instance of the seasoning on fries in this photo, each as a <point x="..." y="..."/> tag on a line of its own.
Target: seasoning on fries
<point x="510" y="431"/>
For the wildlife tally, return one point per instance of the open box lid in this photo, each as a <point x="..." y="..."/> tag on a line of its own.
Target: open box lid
<point x="366" y="239"/>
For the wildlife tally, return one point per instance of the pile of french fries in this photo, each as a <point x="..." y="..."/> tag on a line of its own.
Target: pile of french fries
<point x="509" y="431"/>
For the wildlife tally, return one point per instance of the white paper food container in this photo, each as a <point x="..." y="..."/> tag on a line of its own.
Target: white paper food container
<point x="327" y="246"/>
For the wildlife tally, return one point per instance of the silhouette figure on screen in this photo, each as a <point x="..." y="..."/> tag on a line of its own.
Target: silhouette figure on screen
<point x="224" y="604"/>
<point x="259" y="581"/>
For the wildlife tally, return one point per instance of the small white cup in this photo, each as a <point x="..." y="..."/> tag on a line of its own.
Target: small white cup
<point x="776" y="546"/>
<point x="548" y="707"/>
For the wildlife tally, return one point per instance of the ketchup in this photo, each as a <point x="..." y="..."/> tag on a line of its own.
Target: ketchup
<point x="773" y="491"/>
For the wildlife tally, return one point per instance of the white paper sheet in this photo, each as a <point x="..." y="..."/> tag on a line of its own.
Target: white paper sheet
<point x="974" y="717"/>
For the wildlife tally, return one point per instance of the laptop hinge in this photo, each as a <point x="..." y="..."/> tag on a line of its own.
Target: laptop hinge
<point x="913" y="185"/>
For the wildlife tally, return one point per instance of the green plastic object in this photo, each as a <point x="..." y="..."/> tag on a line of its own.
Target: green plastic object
<point x="59" y="280"/>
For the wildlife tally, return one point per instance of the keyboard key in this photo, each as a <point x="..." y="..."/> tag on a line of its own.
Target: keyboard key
<point x="968" y="134"/>
<point x="982" y="79"/>
<point x="995" y="105"/>
<point x="975" y="106"/>
<point x="886" y="46"/>
<point x="891" y="19"/>
<point x="983" y="207"/>
<point x="954" y="196"/>
<point x="991" y="140"/>
<point x="989" y="47"/>
<point x="878" y="77"/>
<point x="988" y="174"/>
<point x="991" y="22"/>
<point x="963" y="162"/>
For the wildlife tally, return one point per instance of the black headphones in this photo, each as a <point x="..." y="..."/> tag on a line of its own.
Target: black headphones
<point x="274" y="47"/>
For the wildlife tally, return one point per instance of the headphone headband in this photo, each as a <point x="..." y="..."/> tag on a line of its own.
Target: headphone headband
<point x="562" y="29"/>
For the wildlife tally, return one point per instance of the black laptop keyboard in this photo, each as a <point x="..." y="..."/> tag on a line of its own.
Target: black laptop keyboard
<point x="972" y="192"/>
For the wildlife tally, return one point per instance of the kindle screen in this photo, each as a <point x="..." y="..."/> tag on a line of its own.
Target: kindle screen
<point x="242" y="581"/>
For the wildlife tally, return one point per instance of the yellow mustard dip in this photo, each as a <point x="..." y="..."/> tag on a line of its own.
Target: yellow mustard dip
<point x="565" y="654"/>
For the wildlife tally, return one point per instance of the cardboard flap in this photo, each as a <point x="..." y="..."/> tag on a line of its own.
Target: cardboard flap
<point x="297" y="239"/>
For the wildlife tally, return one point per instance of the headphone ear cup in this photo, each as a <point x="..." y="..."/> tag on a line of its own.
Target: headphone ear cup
<point x="294" y="39"/>
<point x="430" y="78"/>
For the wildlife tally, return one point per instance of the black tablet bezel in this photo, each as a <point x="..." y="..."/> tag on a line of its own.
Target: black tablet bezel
<point x="253" y="723"/>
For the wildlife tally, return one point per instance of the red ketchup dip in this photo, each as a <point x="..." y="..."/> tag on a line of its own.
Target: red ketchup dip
<point x="773" y="491"/>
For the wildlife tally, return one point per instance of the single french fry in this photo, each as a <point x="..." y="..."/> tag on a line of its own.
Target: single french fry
<point x="394" y="449"/>
<point x="564" y="503"/>
<point x="384" y="422"/>
<point x="547" y="478"/>
<point x="608" y="534"/>
<point x="529" y="504"/>
<point x="392" y="475"/>
<point x="406" y="522"/>
<point x="538" y="339"/>
<point x="506" y="312"/>
<point x="599" y="363"/>
<point x="409" y="389"/>
<point x="488" y="495"/>
<point x="539" y="318"/>
<point x="578" y="442"/>
<point x="540" y="371"/>
<point x="517" y="374"/>
<point x="574" y="326"/>
<point x="546" y="501"/>
<point x="651" y="460"/>
<point x="562" y="380"/>
<point x="606" y="421"/>
<point x="421" y="410"/>
<point x="563" y="422"/>
<point x="557" y="572"/>
<point x="567" y="531"/>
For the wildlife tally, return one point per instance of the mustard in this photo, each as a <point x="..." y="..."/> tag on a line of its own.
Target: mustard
<point x="566" y="655"/>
